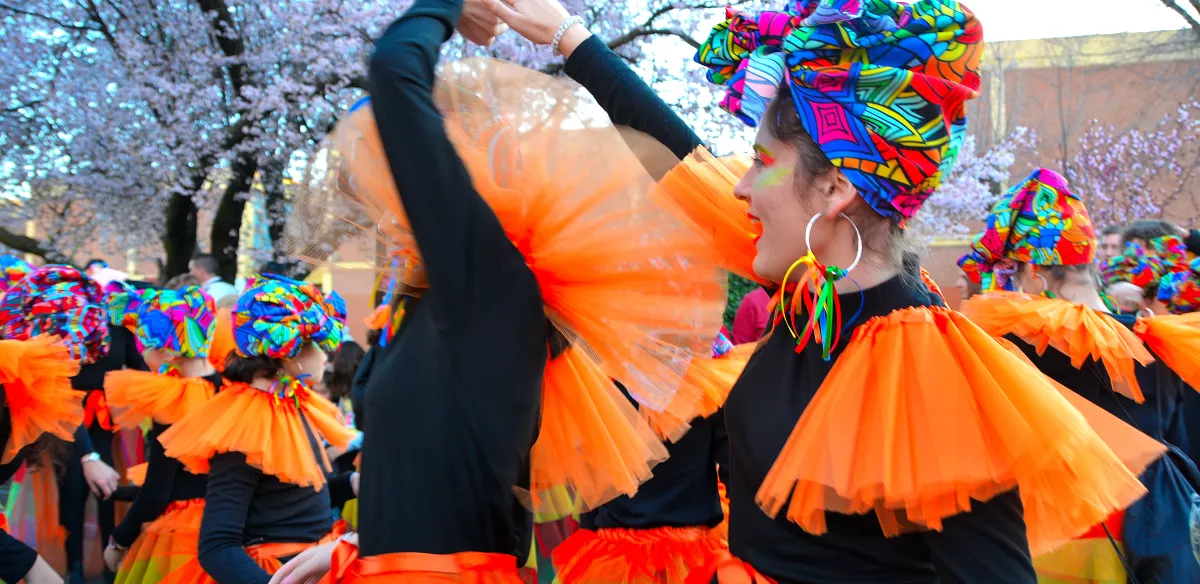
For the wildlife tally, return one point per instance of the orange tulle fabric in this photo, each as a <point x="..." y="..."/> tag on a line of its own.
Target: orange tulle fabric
<point x="1175" y="339"/>
<point x="592" y="440"/>
<point x="267" y="429"/>
<point x="165" y="545"/>
<point x="266" y="555"/>
<point x="417" y="568"/>
<point x="222" y="341"/>
<point x="1073" y="329"/>
<point x="637" y="287"/>
<point x="699" y="191"/>
<point x="729" y="570"/>
<point x="134" y="396"/>
<point x="663" y="555"/>
<point x="1135" y="449"/>
<point x="924" y="413"/>
<point x="709" y="380"/>
<point x="378" y="318"/>
<point x="136" y="474"/>
<point x="36" y="379"/>
<point x="927" y="278"/>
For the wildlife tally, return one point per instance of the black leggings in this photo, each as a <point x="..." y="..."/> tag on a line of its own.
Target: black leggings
<point x="73" y="494"/>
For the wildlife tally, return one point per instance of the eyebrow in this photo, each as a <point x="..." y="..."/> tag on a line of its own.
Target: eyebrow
<point x="764" y="154"/>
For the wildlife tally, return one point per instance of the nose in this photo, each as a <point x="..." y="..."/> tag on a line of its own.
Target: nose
<point x="742" y="189"/>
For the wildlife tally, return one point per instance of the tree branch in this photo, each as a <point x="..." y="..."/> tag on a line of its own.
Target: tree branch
<point x="30" y="245"/>
<point x="48" y="18"/>
<point x="1179" y="9"/>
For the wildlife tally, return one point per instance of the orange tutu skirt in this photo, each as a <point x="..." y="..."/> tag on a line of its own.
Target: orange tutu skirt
<point x="165" y="545"/>
<point x="663" y="555"/>
<point x="416" y="568"/>
<point x="729" y="570"/>
<point x="266" y="555"/>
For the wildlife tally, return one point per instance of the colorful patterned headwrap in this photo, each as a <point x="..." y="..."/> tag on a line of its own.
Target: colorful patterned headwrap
<point x="974" y="265"/>
<point x="277" y="316"/>
<point x="1180" y="290"/>
<point x="1146" y="267"/>
<point x="1036" y="222"/>
<point x="12" y="270"/>
<point x="178" y="322"/>
<point x="879" y="85"/>
<point x="60" y="301"/>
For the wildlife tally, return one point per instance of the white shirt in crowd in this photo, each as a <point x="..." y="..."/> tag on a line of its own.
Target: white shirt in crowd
<point x="218" y="289"/>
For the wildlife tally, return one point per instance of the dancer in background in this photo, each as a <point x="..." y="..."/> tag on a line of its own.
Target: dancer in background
<point x="160" y="532"/>
<point x="260" y="438"/>
<point x="1044" y="232"/>
<point x="862" y="354"/>
<point x="38" y="407"/>
<point x="62" y="298"/>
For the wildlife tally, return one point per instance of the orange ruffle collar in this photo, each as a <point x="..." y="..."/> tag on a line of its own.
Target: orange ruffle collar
<point x="923" y="413"/>
<point x="266" y="428"/>
<point x="1175" y="339"/>
<point x="36" y="376"/>
<point x="136" y="395"/>
<point x="1075" y="330"/>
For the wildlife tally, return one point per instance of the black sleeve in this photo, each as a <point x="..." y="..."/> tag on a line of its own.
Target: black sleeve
<point x="154" y="496"/>
<point x="16" y="558"/>
<point x="464" y="246"/>
<point x="986" y="545"/>
<point x="1193" y="241"/>
<point x="83" y="443"/>
<point x="720" y="446"/>
<point x="1175" y="431"/>
<point x="627" y="99"/>
<point x="358" y="391"/>
<point x="340" y="489"/>
<point x="231" y="485"/>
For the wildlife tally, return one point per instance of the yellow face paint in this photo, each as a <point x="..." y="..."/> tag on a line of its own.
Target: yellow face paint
<point x="773" y="176"/>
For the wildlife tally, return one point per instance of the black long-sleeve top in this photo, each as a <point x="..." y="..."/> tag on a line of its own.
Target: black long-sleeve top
<point x="986" y="545"/>
<point x="16" y="558"/>
<point x="358" y="388"/>
<point x="244" y="506"/>
<point x="166" y="481"/>
<point x="122" y="354"/>
<point x="453" y="404"/>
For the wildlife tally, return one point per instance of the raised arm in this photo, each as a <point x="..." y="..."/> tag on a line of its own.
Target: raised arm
<point x="464" y="246"/>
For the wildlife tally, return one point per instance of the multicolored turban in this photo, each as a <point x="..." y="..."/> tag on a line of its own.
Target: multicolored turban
<point x="12" y="270"/>
<point x="879" y="85"/>
<point x="276" y="316"/>
<point x="1146" y="267"/>
<point x="974" y="265"/>
<point x="1036" y="222"/>
<point x="179" y="322"/>
<point x="60" y="301"/>
<point x="1180" y="290"/>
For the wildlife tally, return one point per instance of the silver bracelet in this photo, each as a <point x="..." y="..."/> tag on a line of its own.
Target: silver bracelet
<point x="568" y="23"/>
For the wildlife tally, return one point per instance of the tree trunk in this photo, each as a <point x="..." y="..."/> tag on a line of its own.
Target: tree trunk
<point x="227" y="223"/>
<point x="277" y="217"/>
<point x="179" y="238"/>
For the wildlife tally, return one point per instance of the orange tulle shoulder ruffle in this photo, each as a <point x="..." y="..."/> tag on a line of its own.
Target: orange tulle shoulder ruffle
<point x="1073" y="329"/>
<point x="592" y="442"/>
<point x="923" y="413"/>
<point x="699" y="191"/>
<point x="378" y="318"/>
<point x="1175" y="339"/>
<point x="1135" y="449"/>
<point x="134" y="396"/>
<point x="266" y="428"/>
<point x="709" y="380"/>
<point x="222" y="340"/>
<point x="36" y="376"/>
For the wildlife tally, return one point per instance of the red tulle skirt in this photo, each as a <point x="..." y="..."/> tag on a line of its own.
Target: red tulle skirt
<point x="165" y="545"/>
<point x="416" y="568"/>
<point x="266" y="555"/>
<point x="663" y="555"/>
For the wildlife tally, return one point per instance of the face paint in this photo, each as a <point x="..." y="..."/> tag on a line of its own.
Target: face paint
<point x="771" y="176"/>
<point x="764" y="155"/>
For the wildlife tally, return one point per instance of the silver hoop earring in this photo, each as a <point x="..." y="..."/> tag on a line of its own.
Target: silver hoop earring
<point x="1045" y="284"/>
<point x="1148" y="312"/>
<point x="857" y="237"/>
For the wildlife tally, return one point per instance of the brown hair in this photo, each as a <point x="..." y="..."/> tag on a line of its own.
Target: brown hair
<point x="181" y="281"/>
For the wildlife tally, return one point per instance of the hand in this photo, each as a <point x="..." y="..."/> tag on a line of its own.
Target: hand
<point x="113" y="557"/>
<point x="101" y="478"/>
<point x="354" y="480"/>
<point x="308" y="567"/>
<point x="538" y="21"/>
<point x="478" y="25"/>
<point x="42" y="573"/>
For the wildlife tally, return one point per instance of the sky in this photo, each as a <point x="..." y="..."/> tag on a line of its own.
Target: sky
<point x="1005" y="20"/>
